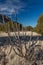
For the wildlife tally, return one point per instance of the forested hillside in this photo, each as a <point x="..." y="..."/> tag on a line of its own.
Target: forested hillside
<point x="6" y="23"/>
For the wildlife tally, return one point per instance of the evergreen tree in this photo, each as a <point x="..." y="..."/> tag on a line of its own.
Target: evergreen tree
<point x="39" y="26"/>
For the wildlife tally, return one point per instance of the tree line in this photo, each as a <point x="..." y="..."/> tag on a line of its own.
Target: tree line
<point x="10" y="25"/>
<point x="38" y="28"/>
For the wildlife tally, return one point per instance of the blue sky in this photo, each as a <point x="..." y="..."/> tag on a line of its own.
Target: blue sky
<point x="28" y="11"/>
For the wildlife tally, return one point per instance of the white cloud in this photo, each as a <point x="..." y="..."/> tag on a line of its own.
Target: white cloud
<point x="2" y="9"/>
<point x="10" y="6"/>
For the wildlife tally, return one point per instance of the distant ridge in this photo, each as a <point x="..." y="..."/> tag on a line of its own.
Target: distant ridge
<point x="6" y="20"/>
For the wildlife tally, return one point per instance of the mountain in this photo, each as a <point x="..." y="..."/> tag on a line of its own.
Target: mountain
<point x="6" y="20"/>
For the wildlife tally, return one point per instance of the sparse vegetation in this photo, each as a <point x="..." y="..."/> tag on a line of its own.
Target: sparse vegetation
<point x="18" y="51"/>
